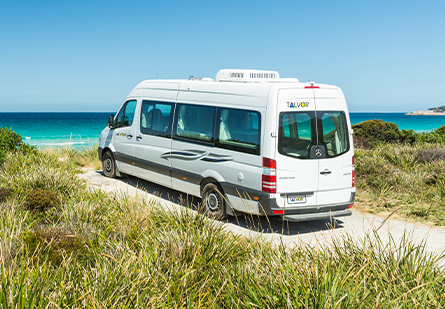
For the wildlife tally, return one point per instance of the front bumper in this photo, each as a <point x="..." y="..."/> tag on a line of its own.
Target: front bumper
<point x="99" y="153"/>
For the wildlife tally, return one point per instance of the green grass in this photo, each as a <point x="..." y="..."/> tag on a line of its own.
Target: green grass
<point x="408" y="179"/>
<point x="99" y="250"/>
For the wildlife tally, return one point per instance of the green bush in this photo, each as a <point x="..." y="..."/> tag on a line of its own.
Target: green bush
<point x="54" y="244"/>
<point x="41" y="200"/>
<point x="11" y="141"/>
<point x="440" y="131"/>
<point x="369" y="133"/>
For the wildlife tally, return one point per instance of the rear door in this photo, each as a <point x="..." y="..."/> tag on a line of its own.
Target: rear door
<point x="297" y="173"/>
<point x="335" y="170"/>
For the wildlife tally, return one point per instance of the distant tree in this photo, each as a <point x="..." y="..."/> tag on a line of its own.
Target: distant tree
<point x="440" y="109"/>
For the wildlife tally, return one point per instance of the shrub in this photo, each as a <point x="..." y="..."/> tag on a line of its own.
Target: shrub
<point x="369" y="133"/>
<point x="41" y="200"/>
<point x="440" y="131"/>
<point x="57" y="243"/>
<point x="11" y="141"/>
<point x="5" y="193"/>
<point x="377" y="130"/>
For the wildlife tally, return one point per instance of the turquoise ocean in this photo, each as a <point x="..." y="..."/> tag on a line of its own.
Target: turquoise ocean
<point x="82" y="129"/>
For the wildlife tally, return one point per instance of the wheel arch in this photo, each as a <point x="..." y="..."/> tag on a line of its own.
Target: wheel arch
<point x="210" y="176"/>
<point x="209" y="180"/>
<point x="110" y="149"/>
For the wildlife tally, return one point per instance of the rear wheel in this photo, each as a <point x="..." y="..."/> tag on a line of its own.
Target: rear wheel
<point x="108" y="164"/>
<point x="213" y="201"/>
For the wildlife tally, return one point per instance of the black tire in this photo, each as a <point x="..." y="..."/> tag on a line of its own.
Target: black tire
<point x="213" y="201"/>
<point x="109" y="165"/>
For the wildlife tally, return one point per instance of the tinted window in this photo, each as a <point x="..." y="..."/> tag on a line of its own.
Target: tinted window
<point x="195" y="122"/>
<point x="335" y="135"/>
<point x="295" y="136"/>
<point x="298" y="132"/>
<point x="239" y="130"/>
<point x="126" y="114"/>
<point x="156" y="118"/>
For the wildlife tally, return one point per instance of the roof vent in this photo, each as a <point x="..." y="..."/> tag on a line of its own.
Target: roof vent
<point x="229" y="75"/>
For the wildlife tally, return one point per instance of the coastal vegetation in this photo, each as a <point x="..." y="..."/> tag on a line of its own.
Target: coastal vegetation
<point x="400" y="171"/>
<point x="66" y="245"/>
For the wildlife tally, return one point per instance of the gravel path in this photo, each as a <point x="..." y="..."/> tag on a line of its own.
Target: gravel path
<point x="276" y="230"/>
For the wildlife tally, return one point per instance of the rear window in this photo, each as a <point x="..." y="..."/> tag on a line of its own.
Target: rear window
<point x="295" y="137"/>
<point x="298" y="131"/>
<point x="335" y="135"/>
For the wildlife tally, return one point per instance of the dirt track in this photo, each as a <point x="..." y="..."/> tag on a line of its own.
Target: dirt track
<point x="273" y="228"/>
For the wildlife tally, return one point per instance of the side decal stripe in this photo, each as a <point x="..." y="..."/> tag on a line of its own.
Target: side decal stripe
<point x="196" y="179"/>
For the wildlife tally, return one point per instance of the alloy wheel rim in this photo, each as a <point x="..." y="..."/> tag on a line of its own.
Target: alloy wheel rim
<point x="213" y="202"/>
<point x="108" y="165"/>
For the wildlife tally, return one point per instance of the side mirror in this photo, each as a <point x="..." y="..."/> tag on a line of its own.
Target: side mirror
<point x="111" y="122"/>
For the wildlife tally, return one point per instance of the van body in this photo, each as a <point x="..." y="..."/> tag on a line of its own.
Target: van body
<point x="248" y="141"/>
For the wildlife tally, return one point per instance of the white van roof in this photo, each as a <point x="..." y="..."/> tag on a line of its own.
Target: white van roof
<point x="248" y="83"/>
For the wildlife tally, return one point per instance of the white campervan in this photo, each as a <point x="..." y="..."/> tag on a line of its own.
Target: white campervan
<point x="247" y="141"/>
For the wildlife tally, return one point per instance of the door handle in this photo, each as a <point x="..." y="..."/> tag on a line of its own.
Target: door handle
<point x="129" y="136"/>
<point x="138" y="138"/>
<point x="325" y="172"/>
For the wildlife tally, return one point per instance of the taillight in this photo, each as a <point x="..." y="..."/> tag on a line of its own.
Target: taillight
<point x="269" y="178"/>
<point x="311" y="87"/>
<point x="353" y="172"/>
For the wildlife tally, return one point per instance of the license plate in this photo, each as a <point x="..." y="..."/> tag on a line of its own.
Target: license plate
<point x="296" y="199"/>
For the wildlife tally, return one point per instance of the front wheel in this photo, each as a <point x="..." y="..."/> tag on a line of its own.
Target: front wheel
<point x="214" y="202"/>
<point x="109" y="165"/>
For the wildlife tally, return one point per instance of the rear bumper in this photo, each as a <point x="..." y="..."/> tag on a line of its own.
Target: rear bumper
<point x="317" y="216"/>
<point x="306" y="213"/>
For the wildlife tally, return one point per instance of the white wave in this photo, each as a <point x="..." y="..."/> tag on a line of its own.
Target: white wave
<point x="27" y="137"/>
<point x="61" y="144"/>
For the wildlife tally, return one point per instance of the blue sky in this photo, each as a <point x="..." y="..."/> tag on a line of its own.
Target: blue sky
<point x="88" y="55"/>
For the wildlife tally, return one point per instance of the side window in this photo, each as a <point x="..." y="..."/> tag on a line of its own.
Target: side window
<point x="195" y="122"/>
<point x="156" y="118"/>
<point x="126" y="114"/>
<point x="239" y="130"/>
<point x="120" y="118"/>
